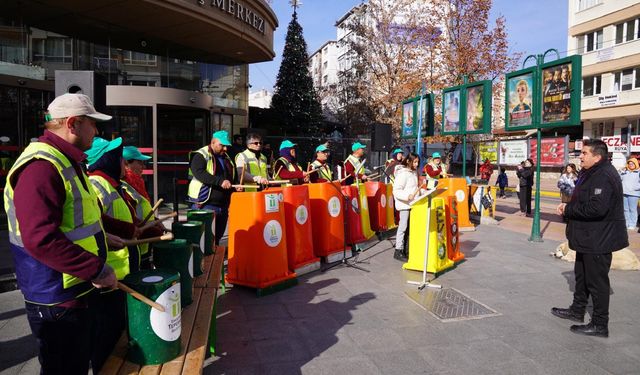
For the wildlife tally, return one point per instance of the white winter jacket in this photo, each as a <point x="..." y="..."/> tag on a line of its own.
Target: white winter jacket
<point x="406" y="183"/>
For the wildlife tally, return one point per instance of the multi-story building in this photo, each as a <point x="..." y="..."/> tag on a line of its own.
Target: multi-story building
<point x="169" y="71"/>
<point x="607" y="35"/>
<point x="260" y="99"/>
<point x="323" y="65"/>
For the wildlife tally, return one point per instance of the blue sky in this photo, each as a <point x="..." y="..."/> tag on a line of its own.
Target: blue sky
<point x="533" y="27"/>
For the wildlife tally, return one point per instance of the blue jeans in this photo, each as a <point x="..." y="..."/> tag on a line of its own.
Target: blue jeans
<point x="631" y="210"/>
<point x="221" y="217"/>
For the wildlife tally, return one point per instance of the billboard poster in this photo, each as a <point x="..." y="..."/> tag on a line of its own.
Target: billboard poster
<point x="520" y="99"/>
<point x="475" y="108"/>
<point x="489" y="150"/>
<point x="408" y="119"/>
<point x="553" y="151"/>
<point x="513" y="152"/>
<point x="427" y="123"/>
<point x="452" y="111"/>
<point x="556" y="93"/>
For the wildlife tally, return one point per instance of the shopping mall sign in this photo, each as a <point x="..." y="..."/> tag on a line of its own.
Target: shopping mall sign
<point x="238" y="10"/>
<point x="617" y="144"/>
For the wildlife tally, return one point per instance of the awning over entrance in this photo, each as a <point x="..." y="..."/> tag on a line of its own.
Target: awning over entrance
<point x="213" y="31"/>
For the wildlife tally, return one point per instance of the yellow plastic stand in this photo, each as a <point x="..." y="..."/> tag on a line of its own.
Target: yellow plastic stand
<point x="391" y="214"/>
<point x="364" y="212"/>
<point x="437" y="260"/>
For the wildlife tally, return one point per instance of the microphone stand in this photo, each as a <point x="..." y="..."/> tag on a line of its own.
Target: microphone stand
<point x="344" y="261"/>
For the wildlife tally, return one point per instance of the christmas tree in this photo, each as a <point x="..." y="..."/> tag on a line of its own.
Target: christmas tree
<point x="295" y="101"/>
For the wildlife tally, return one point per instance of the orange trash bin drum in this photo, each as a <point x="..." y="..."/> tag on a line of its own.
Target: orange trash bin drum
<point x="354" y="223"/>
<point x="257" y="240"/>
<point x="457" y="187"/>
<point x="327" y="216"/>
<point x="377" y="199"/>
<point x="299" y="234"/>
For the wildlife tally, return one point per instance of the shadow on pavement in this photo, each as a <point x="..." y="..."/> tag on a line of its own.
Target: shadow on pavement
<point x="18" y="351"/>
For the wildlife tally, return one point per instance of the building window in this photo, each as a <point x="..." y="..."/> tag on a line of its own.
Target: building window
<point x="627" y="31"/>
<point x="325" y="65"/>
<point x="603" y="129"/>
<point x="591" y="85"/>
<point x="585" y="4"/>
<point x="52" y="50"/>
<point x="590" y="42"/>
<point x="325" y="79"/>
<point x="137" y="58"/>
<point x="627" y="80"/>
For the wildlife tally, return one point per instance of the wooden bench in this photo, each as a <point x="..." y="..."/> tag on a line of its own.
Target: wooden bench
<point x="198" y="328"/>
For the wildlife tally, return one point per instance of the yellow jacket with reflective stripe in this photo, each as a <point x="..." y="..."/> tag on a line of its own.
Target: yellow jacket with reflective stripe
<point x="324" y="171"/>
<point x="143" y="207"/>
<point x="256" y="167"/>
<point x="115" y="206"/>
<point x="195" y="185"/>
<point x="80" y="217"/>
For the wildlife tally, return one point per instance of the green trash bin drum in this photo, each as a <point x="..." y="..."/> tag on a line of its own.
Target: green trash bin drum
<point x="206" y="217"/>
<point x="192" y="231"/>
<point x="175" y="255"/>
<point x="154" y="335"/>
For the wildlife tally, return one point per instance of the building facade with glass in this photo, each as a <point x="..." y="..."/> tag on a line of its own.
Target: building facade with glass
<point x="169" y="71"/>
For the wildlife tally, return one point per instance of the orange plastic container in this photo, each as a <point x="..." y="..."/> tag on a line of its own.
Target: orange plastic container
<point x="377" y="199"/>
<point x="354" y="225"/>
<point x="457" y="188"/>
<point x="453" y="234"/>
<point x="391" y="211"/>
<point x="299" y="233"/>
<point x="257" y="240"/>
<point x="327" y="216"/>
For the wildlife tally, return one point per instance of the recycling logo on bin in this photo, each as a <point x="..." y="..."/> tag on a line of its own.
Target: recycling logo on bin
<point x="167" y="325"/>
<point x="272" y="233"/>
<point x="383" y="201"/>
<point x="333" y="206"/>
<point x="271" y="203"/>
<point x="354" y="205"/>
<point x="302" y="214"/>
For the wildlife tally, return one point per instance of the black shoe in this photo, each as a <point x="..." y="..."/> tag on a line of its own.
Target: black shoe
<point x="591" y="329"/>
<point x="567" y="314"/>
<point x="397" y="254"/>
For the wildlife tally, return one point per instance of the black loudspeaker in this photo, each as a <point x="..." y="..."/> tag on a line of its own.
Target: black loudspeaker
<point x="85" y="82"/>
<point x="381" y="138"/>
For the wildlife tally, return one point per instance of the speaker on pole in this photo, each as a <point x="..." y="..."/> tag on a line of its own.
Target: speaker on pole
<point x="381" y="139"/>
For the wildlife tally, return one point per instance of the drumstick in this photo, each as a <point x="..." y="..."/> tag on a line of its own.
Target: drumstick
<point x="140" y="297"/>
<point x="276" y="182"/>
<point x="160" y="219"/>
<point x="164" y="237"/>
<point x="244" y="186"/>
<point x="153" y="209"/>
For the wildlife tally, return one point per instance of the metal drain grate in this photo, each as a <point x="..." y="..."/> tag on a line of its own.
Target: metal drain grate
<point x="450" y="305"/>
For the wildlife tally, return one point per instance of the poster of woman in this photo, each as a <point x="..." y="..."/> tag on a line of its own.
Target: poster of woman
<point x="407" y="119"/>
<point x="452" y="111"/>
<point x="475" y="110"/>
<point x="520" y="98"/>
<point x="556" y="93"/>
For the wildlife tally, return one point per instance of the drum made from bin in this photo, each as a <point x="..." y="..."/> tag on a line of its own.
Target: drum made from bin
<point x="364" y="212"/>
<point x="453" y="234"/>
<point x="457" y="187"/>
<point x="299" y="234"/>
<point x="391" y="211"/>
<point x="176" y="255"/>
<point x="154" y="335"/>
<point x="327" y="216"/>
<point x="257" y="255"/>
<point x="206" y="217"/>
<point x="436" y="247"/>
<point x="377" y="200"/>
<point x="192" y="231"/>
<point x="354" y="222"/>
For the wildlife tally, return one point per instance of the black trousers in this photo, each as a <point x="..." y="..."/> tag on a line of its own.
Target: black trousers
<point x="592" y="279"/>
<point x="63" y="336"/>
<point x="525" y="199"/>
<point x="110" y="321"/>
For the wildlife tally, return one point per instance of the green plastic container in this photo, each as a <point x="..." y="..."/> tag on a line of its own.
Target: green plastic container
<point x="154" y="335"/>
<point x="176" y="256"/>
<point x="192" y="231"/>
<point x="206" y="217"/>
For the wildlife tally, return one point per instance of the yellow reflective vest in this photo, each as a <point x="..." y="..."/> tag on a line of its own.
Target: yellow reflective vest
<point x="143" y="207"/>
<point x="80" y="224"/>
<point x="195" y="185"/>
<point x="324" y="171"/>
<point x="256" y="167"/>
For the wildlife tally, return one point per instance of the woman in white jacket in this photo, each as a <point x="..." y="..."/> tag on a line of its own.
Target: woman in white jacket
<point x="405" y="189"/>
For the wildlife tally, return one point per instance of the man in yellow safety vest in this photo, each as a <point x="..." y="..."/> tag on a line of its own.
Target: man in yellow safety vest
<point x="251" y="165"/>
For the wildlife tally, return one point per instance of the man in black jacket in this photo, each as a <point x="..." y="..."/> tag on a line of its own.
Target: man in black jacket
<point x="213" y="177"/>
<point x="595" y="229"/>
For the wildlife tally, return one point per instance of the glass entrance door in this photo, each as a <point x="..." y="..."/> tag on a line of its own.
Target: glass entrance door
<point x="180" y="131"/>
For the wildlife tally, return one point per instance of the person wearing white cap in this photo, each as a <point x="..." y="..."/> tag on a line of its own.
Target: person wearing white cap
<point x="56" y="235"/>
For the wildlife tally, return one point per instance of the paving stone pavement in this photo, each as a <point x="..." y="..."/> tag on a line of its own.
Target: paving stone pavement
<point x="347" y="321"/>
